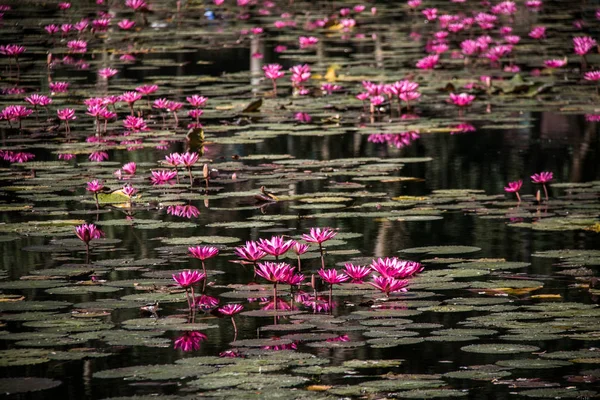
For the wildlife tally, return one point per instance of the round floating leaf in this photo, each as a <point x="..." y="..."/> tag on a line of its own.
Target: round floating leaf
<point x="10" y="386"/>
<point x="488" y="373"/>
<point x="260" y="342"/>
<point x="81" y="289"/>
<point x="528" y="363"/>
<point x="155" y="372"/>
<point x="499" y="348"/>
<point x="33" y="305"/>
<point x="336" y="345"/>
<point x="198" y="240"/>
<point x="432" y="394"/>
<point x="31" y="284"/>
<point x="558" y="393"/>
<point x="169" y="324"/>
<point x="491" y="265"/>
<point x="372" y="363"/>
<point x="441" y="250"/>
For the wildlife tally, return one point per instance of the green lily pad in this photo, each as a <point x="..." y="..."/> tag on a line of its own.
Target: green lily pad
<point x="441" y="250"/>
<point x="499" y="348"/>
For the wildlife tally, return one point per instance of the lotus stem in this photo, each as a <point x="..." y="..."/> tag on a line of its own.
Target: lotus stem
<point x="96" y="198"/>
<point x="299" y="264"/>
<point x="545" y="191"/>
<point x="518" y="197"/>
<point x="322" y="258"/>
<point x="275" y="295"/>
<point x="330" y="298"/>
<point x="191" y="178"/>
<point x="235" y="331"/>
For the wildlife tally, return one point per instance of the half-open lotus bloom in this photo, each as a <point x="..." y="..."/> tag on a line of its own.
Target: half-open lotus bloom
<point x="275" y="246"/>
<point x="162" y="177"/>
<point x="514" y="187"/>
<point x="189" y="341"/>
<point x="389" y="285"/>
<point x="274" y="272"/>
<point x="250" y="252"/>
<point x="542" y="177"/>
<point x="203" y="252"/>
<point x="88" y="232"/>
<point x="188" y="278"/>
<point x="318" y="235"/>
<point x="394" y="267"/>
<point x="356" y="272"/>
<point x="332" y="277"/>
<point x="231" y="309"/>
<point x="205" y="303"/>
<point x="94" y="186"/>
<point x="462" y="99"/>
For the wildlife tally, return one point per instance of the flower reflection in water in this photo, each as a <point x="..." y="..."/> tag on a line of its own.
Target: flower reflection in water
<point x="398" y="140"/>
<point x="189" y="341"/>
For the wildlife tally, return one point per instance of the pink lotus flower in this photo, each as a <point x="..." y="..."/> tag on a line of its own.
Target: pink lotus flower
<point x="38" y="100"/>
<point x="87" y="232"/>
<point x="394" y="267"/>
<point x="592" y="76"/>
<point x="77" y="46"/>
<point x="203" y="252"/>
<point x="129" y="168"/>
<point x="514" y="187"/>
<point x="543" y="178"/>
<point x="300" y="248"/>
<point x="173" y="159"/>
<point x="137" y="5"/>
<point x="188" y="159"/>
<point x="273" y="71"/>
<point x="197" y="101"/>
<point x="126" y="24"/>
<point x="555" y="63"/>
<point x="98" y="156"/>
<point x="356" y="272"/>
<point x="583" y="44"/>
<point x="430" y="13"/>
<point x="539" y="32"/>
<point x="294" y="279"/>
<point x="307" y="41"/>
<point x="95" y="186"/>
<point x="534" y="5"/>
<point x="135" y="124"/>
<point x="428" y="62"/>
<point x="329" y="88"/>
<point x="274" y="272"/>
<point x="389" y="285"/>
<point x="146" y="89"/>
<point x="162" y="177"/>
<point x="129" y="190"/>
<point x="12" y="50"/>
<point x="462" y="99"/>
<point x="303" y="117"/>
<point x="318" y="235"/>
<point x="58" y="87"/>
<point x="231" y="309"/>
<point x="51" y="29"/>
<point x="100" y="25"/>
<point x="64" y="6"/>
<point x="188" y="278"/>
<point x="300" y="74"/>
<point x="275" y="246"/>
<point x="189" y="341"/>
<point x="332" y="277"/>
<point x="251" y="252"/>
<point x="205" y="303"/>
<point x="188" y="211"/>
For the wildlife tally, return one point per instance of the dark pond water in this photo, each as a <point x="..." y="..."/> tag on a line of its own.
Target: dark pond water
<point x="506" y="304"/>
